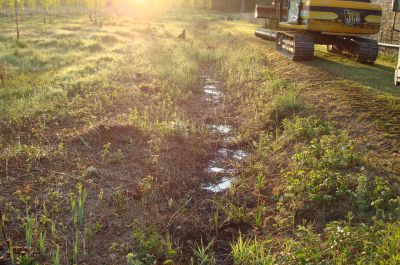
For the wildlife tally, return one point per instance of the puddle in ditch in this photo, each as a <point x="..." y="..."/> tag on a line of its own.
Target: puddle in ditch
<point x="223" y="129"/>
<point x="239" y="155"/>
<point x="211" y="91"/>
<point x="223" y="155"/>
<point x="216" y="170"/>
<point x="224" y="184"/>
<point x="224" y="152"/>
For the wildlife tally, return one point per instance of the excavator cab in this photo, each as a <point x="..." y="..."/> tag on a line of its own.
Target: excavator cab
<point x="294" y="11"/>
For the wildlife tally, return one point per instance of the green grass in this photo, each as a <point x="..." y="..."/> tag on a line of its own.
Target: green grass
<point x="50" y="69"/>
<point x="377" y="77"/>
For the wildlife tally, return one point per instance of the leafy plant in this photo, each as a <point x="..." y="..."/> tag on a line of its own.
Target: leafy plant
<point x="42" y="243"/>
<point x="30" y="222"/>
<point x="75" y="248"/>
<point x="259" y="216"/>
<point x="74" y="209"/>
<point x="26" y="260"/>
<point x="260" y="182"/>
<point x="316" y="174"/>
<point x="203" y="254"/>
<point x="234" y="213"/>
<point x="305" y="129"/>
<point x="82" y="194"/>
<point x="56" y="256"/>
<point x="53" y="230"/>
<point x="132" y="260"/>
<point x="150" y="245"/>
<point x="11" y="252"/>
<point x="249" y="252"/>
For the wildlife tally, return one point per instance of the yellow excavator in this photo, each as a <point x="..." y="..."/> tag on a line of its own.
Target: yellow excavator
<point x="344" y="26"/>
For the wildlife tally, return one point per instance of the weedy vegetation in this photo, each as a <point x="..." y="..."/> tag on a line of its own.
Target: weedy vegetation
<point x="104" y="142"/>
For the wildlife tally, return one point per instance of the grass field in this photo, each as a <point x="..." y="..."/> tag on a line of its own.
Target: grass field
<point x="106" y="137"/>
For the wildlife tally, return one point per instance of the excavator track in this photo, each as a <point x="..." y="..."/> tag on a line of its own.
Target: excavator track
<point x="359" y="49"/>
<point x="296" y="46"/>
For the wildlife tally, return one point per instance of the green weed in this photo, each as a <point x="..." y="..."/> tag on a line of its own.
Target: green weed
<point x="259" y="216"/>
<point x="249" y="252"/>
<point x="150" y="245"/>
<point x="75" y="248"/>
<point x="42" y="243"/>
<point x="131" y="260"/>
<point x="260" y="182"/>
<point x="204" y="255"/>
<point x="235" y="213"/>
<point x="29" y="225"/>
<point x="316" y="174"/>
<point x="11" y="252"/>
<point x="26" y="260"/>
<point x="56" y="256"/>
<point x="82" y="194"/>
<point x="305" y="129"/>
<point x="53" y="230"/>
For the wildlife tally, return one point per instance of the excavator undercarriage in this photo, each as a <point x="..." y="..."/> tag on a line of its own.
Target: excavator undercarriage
<point x="299" y="46"/>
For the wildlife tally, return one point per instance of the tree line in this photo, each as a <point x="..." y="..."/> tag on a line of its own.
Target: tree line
<point x="49" y="10"/>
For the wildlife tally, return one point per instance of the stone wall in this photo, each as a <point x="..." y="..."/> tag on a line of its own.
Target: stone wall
<point x="386" y="33"/>
<point x="250" y="18"/>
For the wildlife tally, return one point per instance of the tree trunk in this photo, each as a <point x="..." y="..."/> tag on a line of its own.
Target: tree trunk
<point x="101" y="22"/>
<point x="16" y="17"/>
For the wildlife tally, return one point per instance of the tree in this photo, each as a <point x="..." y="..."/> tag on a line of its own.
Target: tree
<point x="16" y="17"/>
<point x="100" y="18"/>
<point x="32" y="5"/>
<point x="11" y="3"/>
<point x="1" y="5"/>
<point x="45" y="4"/>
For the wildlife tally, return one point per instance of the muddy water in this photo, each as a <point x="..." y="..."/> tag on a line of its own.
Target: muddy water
<point x="220" y="168"/>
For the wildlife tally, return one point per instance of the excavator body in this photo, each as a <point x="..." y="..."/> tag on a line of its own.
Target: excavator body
<point x="344" y="26"/>
<point x="334" y="16"/>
